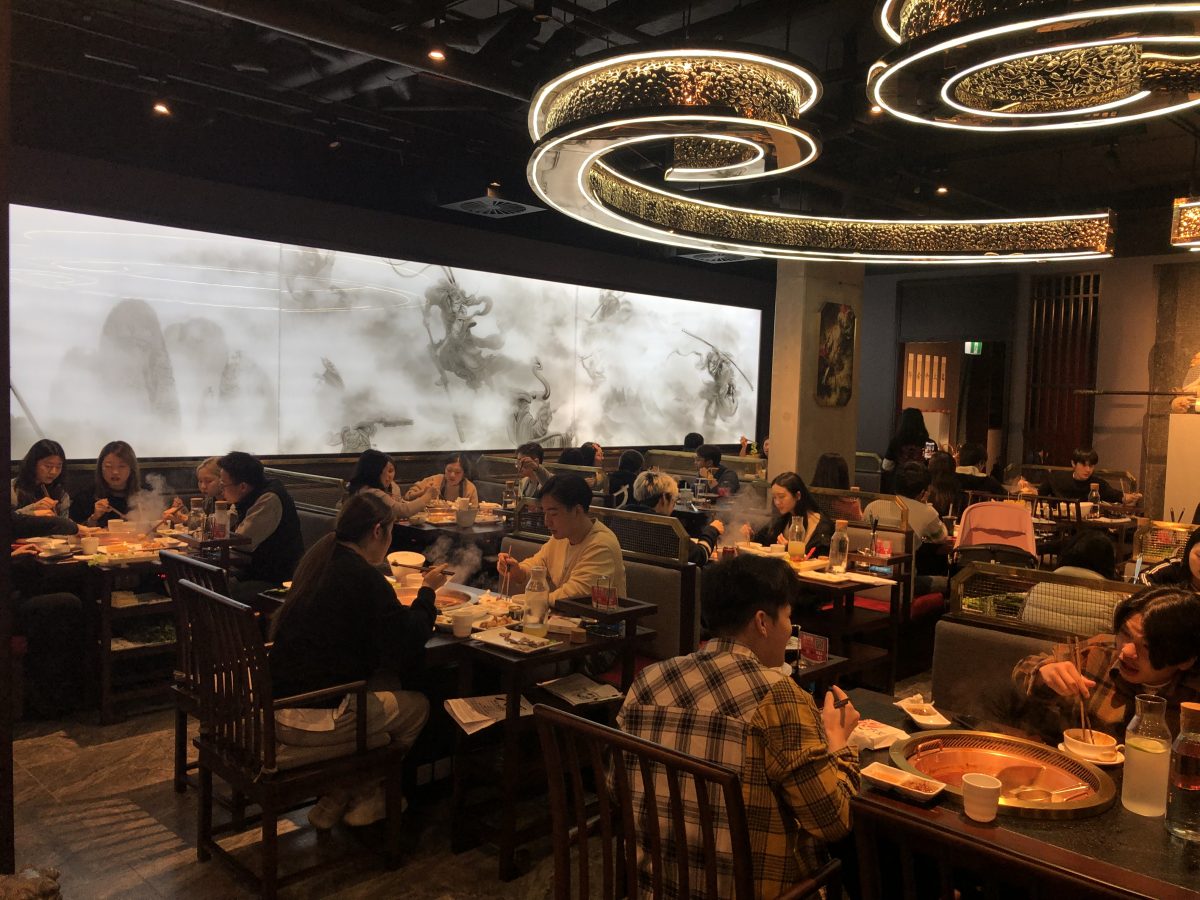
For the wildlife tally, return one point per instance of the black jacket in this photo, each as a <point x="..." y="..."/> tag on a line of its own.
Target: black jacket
<point x="353" y="628"/>
<point x="275" y="558"/>
<point x="701" y="549"/>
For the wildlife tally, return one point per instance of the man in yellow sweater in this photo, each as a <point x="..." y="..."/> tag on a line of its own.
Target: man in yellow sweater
<point x="579" y="550"/>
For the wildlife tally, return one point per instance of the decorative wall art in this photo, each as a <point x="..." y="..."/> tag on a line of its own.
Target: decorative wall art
<point x="835" y="357"/>
<point x="187" y="343"/>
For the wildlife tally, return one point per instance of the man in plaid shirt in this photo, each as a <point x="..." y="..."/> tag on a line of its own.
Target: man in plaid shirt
<point x="731" y="704"/>
<point x="1157" y="640"/>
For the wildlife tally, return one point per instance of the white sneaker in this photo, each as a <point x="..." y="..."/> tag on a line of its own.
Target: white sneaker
<point x="328" y="810"/>
<point x="369" y="807"/>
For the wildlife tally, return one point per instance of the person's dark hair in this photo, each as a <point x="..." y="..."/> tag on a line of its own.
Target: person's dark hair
<point x="710" y="453"/>
<point x="831" y="472"/>
<point x="572" y="456"/>
<point x="27" y="485"/>
<point x="368" y="471"/>
<point x="356" y="520"/>
<point x="569" y="490"/>
<point x="943" y="486"/>
<point x="1170" y="623"/>
<point x="533" y="450"/>
<point x="911" y="479"/>
<point x="588" y="449"/>
<point x="125" y="453"/>
<point x="972" y="455"/>
<point x="1085" y="455"/>
<point x="733" y="591"/>
<point x="692" y="440"/>
<point x="243" y="468"/>
<point x="631" y="461"/>
<point x="1193" y="539"/>
<point x="1092" y="549"/>
<point x="449" y="459"/>
<point x="794" y="484"/>
<point x="911" y="429"/>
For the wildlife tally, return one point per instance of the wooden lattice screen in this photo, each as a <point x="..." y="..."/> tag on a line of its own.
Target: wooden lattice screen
<point x="1062" y="359"/>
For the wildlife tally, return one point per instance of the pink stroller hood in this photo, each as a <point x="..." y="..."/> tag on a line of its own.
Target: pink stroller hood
<point x="997" y="522"/>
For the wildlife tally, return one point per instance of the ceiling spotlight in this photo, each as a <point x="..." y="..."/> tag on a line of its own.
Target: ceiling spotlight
<point x="161" y="108"/>
<point x="335" y="144"/>
<point x="543" y="10"/>
<point x="494" y="184"/>
<point x="437" y="54"/>
<point x="942" y="189"/>
<point x="876" y="110"/>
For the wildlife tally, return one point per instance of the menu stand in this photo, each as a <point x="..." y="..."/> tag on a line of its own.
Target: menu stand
<point x="519" y="673"/>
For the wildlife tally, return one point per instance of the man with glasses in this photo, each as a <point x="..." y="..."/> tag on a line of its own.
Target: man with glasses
<point x="717" y="478"/>
<point x="267" y="516"/>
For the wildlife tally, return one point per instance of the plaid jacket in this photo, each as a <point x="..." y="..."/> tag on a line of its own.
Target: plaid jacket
<point x="1111" y="704"/>
<point x="723" y="705"/>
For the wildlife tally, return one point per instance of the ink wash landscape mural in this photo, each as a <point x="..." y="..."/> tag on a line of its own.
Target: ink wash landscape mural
<point x="187" y="343"/>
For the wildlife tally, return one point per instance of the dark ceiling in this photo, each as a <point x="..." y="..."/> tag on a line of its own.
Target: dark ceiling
<point x="339" y="101"/>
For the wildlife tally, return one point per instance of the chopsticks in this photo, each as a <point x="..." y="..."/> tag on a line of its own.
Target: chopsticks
<point x="505" y="580"/>
<point x="1084" y="725"/>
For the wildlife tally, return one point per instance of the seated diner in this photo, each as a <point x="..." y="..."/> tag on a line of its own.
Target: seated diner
<point x="375" y="473"/>
<point x="1077" y="484"/>
<point x="451" y="484"/>
<point x="267" y="516"/>
<point x="115" y="486"/>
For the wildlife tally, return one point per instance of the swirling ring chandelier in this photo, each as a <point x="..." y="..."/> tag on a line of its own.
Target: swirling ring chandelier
<point x="730" y="116"/>
<point x="1032" y="65"/>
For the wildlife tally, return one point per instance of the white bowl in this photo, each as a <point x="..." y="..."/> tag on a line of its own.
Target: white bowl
<point x="405" y="559"/>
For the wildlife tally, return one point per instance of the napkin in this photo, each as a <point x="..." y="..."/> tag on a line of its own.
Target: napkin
<point x="872" y="735"/>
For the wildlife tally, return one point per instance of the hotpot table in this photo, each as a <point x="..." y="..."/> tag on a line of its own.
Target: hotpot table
<point x="1113" y="854"/>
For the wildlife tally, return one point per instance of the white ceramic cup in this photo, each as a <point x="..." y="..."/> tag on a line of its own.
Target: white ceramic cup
<point x="981" y="796"/>
<point x="461" y="620"/>
<point x="89" y="545"/>
<point x="1103" y="746"/>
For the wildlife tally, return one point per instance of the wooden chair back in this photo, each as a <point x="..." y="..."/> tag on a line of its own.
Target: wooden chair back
<point x="573" y="747"/>
<point x="178" y="568"/>
<point x="236" y="704"/>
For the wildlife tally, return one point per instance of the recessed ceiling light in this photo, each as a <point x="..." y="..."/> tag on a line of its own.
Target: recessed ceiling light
<point x="437" y="54"/>
<point x="161" y="108"/>
<point x="335" y="144"/>
<point x="876" y="110"/>
<point x="494" y="184"/>
<point x="942" y="189"/>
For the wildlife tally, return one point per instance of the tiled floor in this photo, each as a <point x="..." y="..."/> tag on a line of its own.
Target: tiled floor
<point x="97" y="803"/>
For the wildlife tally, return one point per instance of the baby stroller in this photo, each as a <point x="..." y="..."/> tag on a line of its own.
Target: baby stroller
<point x="996" y="532"/>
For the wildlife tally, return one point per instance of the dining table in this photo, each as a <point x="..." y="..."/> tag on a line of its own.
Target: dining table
<point x="918" y="850"/>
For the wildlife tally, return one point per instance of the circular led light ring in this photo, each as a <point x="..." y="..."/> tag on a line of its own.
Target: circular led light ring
<point x="963" y="38"/>
<point x="571" y="167"/>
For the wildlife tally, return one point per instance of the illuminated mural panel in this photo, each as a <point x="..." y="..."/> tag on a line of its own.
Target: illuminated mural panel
<point x="187" y="343"/>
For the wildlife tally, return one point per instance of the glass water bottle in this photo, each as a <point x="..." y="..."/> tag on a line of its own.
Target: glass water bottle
<point x="195" y="519"/>
<point x="1147" y="758"/>
<point x="1094" y="500"/>
<point x="795" y="538"/>
<point x="1183" y="792"/>
<point x="537" y="602"/>
<point x="220" y="521"/>
<point x="839" y="548"/>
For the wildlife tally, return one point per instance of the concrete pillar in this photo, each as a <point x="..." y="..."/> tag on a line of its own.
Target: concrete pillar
<point x="801" y="430"/>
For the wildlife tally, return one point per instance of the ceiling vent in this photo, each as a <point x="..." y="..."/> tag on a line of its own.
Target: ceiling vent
<point x="493" y="207"/>
<point x="717" y="258"/>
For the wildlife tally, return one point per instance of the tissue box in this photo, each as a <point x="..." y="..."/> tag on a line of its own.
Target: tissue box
<point x="872" y="735"/>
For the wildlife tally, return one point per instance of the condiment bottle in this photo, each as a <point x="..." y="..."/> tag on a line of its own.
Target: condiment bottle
<point x="1147" y="758"/>
<point x="795" y="538"/>
<point x="220" y="521"/>
<point x="839" y="548"/>
<point x="1183" y="794"/>
<point x="1094" y="500"/>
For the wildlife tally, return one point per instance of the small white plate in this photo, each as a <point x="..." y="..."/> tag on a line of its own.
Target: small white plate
<point x="914" y="787"/>
<point x="1117" y="760"/>
<point x="924" y="721"/>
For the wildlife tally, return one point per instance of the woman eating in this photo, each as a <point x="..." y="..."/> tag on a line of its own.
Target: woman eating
<point x="790" y="497"/>
<point x="452" y="484"/>
<point x="117" y="483"/>
<point x="208" y="482"/>
<point x="38" y="489"/>
<point x="341" y="623"/>
<point x="375" y="473"/>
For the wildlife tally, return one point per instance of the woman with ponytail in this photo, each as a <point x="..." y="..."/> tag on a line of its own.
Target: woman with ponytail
<point x="341" y="623"/>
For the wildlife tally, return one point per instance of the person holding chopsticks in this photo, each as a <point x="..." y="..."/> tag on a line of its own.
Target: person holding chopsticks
<point x="1157" y="636"/>
<point x="38" y="489"/>
<point x="118" y="481"/>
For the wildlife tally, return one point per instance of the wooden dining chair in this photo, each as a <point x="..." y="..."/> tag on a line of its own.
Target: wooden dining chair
<point x="591" y="797"/>
<point x="237" y="739"/>
<point x="185" y="687"/>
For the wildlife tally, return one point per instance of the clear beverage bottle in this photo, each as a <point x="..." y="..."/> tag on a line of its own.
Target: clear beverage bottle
<point x="839" y="548"/>
<point x="1147" y="758"/>
<point x="795" y="539"/>
<point x="195" y="519"/>
<point x="1094" y="499"/>
<point x="1183" y="793"/>
<point x="537" y="602"/>
<point x="220" y="521"/>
